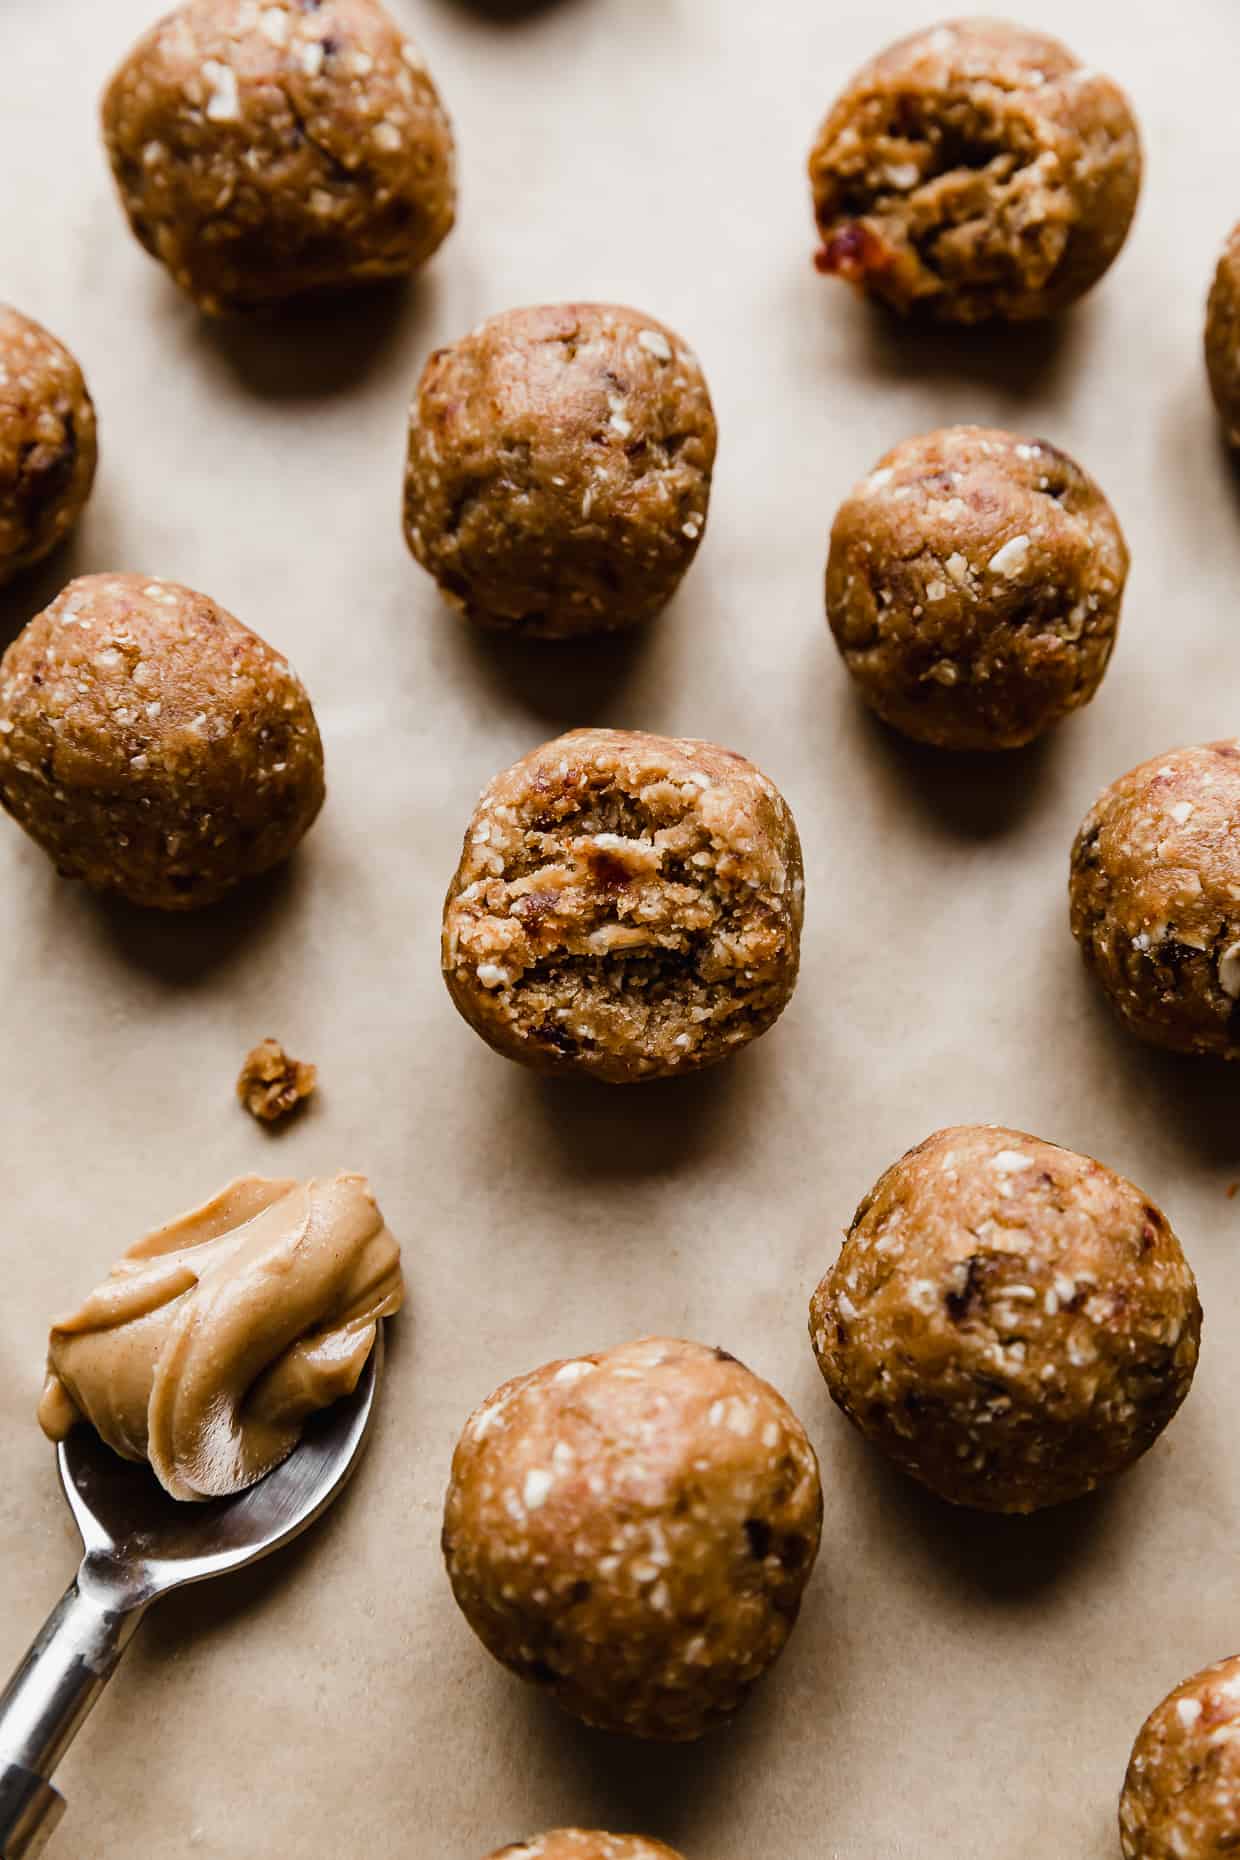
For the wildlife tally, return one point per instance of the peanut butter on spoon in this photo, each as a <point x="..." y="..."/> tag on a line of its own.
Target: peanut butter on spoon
<point x="213" y="1338"/>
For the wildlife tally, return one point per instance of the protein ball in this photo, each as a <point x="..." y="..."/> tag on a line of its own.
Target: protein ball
<point x="975" y="170"/>
<point x="154" y="746"/>
<point x="559" y="469"/>
<point x="1009" y="1322"/>
<point x="973" y="587"/>
<point x="1183" y="1782"/>
<point x="633" y="1531"/>
<point x="48" y="448"/>
<point x="1223" y="338"/>
<point x="1155" y="898"/>
<point x="627" y="906"/>
<point x="578" y="1844"/>
<point x="265" y="150"/>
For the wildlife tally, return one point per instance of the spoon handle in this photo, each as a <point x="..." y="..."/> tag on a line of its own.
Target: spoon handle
<point x="45" y="1704"/>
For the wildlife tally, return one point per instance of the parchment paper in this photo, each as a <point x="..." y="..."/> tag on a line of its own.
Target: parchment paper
<point x="957" y="1689"/>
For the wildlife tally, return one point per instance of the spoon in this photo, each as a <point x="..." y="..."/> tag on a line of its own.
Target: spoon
<point x="141" y="1544"/>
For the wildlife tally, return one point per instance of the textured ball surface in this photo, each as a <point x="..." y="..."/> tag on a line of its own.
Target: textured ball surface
<point x="264" y="149"/>
<point x="1010" y="1322"/>
<point x="633" y="1531"/>
<point x="154" y="746"/>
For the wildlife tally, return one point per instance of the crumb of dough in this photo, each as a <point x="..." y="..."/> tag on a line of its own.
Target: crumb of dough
<point x="272" y="1083"/>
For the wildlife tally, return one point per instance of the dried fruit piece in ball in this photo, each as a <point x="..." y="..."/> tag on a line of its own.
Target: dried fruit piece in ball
<point x="559" y="469"/>
<point x="974" y="585"/>
<point x="154" y="746"/>
<point x="1223" y="338"/>
<point x="1155" y="898"/>
<point x="48" y="448"/>
<point x="633" y="1531"/>
<point x="266" y="151"/>
<point x="585" y="1844"/>
<point x="1183" y="1783"/>
<point x="975" y="170"/>
<point x="1010" y="1322"/>
<point x="626" y="907"/>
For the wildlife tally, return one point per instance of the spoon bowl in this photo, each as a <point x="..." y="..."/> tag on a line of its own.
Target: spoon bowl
<point x="140" y="1541"/>
<point x="139" y="1544"/>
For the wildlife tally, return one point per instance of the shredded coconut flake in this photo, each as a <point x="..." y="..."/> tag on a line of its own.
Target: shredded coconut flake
<point x="655" y="343"/>
<point x="537" y="1485"/>
<point x="1011" y="559"/>
<point x="224" y="104"/>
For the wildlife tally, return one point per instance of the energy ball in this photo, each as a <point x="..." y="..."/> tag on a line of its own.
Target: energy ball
<point x="1223" y="338"/>
<point x="973" y="587"/>
<point x="268" y="148"/>
<point x="559" y="469"/>
<point x="973" y="171"/>
<point x="633" y="1531"/>
<point x="1155" y="898"/>
<point x="627" y="907"/>
<point x="578" y="1844"/>
<point x="1009" y="1322"/>
<point x="48" y="449"/>
<point x="154" y="746"/>
<point x="1183" y="1783"/>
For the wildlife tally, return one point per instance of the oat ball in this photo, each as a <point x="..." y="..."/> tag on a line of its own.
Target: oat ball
<point x="268" y="148"/>
<point x="1223" y="338"/>
<point x="627" y="907"/>
<point x="974" y="586"/>
<point x="154" y="746"/>
<point x="48" y="450"/>
<point x="1181" y="1796"/>
<point x="975" y="170"/>
<point x="1155" y="898"/>
<point x="580" y="1844"/>
<point x="1010" y="1322"/>
<point x="633" y="1531"/>
<point x="559" y="469"/>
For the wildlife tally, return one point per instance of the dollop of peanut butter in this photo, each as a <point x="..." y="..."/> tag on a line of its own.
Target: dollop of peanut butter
<point x="213" y="1338"/>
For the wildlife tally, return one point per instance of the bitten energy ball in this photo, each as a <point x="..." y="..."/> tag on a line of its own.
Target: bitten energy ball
<point x="1155" y="898"/>
<point x="975" y="170"/>
<point x="1223" y="338"/>
<point x="1183" y="1784"/>
<point x="154" y="746"/>
<point x="974" y="586"/>
<point x="626" y="906"/>
<point x="268" y="148"/>
<point x="559" y="469"/>
<point x="633" y="1531"/>
<point x="48" y="450"/>
<point x="1010" y="1322"/>
<point x="580" y="1844"/>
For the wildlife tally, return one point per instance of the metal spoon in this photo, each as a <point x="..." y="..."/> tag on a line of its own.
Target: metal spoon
<point x="141" y="1544"/>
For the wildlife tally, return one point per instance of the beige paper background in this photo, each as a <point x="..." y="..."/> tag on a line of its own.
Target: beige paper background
<point x="958" y="1688"/>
